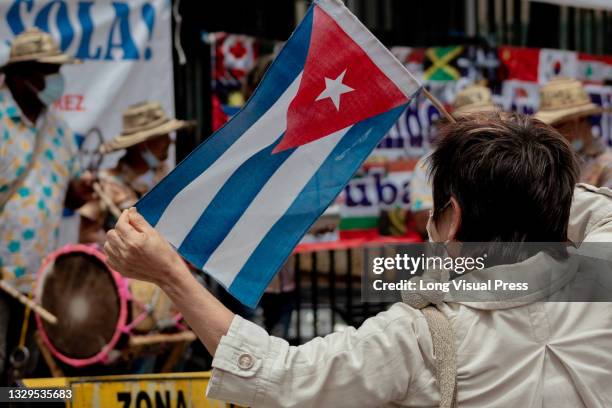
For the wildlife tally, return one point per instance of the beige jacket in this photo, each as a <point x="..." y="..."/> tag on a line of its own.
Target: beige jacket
<point x="542" y="354"/>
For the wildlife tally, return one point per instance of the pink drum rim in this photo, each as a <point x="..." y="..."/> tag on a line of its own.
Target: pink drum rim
<point x="122" y="289"/>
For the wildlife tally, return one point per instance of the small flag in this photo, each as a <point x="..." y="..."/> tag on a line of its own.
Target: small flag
<point x="520" y="63"/>
<point x="556" y="63"/>
<point x="242" y="200"/>
<point x="594" y="68"/>
<point x="441" y="63"/>
<point x="234" y="55"/>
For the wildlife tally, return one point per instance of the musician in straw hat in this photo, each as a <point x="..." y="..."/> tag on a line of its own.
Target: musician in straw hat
<point x="565" y="105"/>
<point x="38" y="169"/>
<point x="145" y="139"/>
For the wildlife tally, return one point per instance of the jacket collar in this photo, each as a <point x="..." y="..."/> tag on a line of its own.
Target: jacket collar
<point x="543" y="274"/>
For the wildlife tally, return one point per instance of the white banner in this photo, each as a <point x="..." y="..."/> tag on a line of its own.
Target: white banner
<point x="126" y="51"/>
<point x="594" y="4"/>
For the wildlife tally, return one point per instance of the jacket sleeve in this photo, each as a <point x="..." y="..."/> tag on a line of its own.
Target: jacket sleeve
<point x="380" y="362"/>
<point x="591" y="214"/>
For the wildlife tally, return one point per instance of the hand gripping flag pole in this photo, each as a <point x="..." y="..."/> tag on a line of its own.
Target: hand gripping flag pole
<point x="241" y="201"/>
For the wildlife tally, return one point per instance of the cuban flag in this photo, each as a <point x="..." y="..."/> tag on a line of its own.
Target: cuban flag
<point x="240" y="202"/>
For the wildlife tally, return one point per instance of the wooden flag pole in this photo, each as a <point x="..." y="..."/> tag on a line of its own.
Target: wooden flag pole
<point x="439" y="106"/>
<point x="38" y="309"/>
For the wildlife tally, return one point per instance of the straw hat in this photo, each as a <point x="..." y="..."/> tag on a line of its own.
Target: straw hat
<point x="142" y="122"/>
<point x="38" y="46"/>
<point x="563" y="99"/>
<point x="472" y="99"/>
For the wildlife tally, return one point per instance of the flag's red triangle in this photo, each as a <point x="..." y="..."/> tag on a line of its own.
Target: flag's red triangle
<point x="340" y="86"/>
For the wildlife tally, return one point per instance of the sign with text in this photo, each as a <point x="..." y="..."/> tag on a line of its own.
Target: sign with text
<point x="125" y="47"/>
<point x="173" y="390"/>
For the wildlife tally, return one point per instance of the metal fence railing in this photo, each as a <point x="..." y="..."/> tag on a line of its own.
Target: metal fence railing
<point x="328" y="291"/>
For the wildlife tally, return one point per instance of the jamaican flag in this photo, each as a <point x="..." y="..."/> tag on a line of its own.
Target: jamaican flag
<point x="441" y="63"/>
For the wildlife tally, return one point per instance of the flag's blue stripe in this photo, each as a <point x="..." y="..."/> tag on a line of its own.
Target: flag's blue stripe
<point x="230" y="203"/>
<point x="319" y="192"/>
<point x="283" y="71"/>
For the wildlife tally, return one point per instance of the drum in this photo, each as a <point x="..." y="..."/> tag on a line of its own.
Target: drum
<point x="97" y="309"/>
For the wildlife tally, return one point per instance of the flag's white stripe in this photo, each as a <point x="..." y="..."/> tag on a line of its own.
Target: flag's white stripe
<point x="379" y="54"/>
<point x="188" y="205"/>
<point x="268" y="206"/>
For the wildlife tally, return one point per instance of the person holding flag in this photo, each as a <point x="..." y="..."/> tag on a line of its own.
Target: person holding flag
<point x="390" y="360"/>
<point x="236" y="207"/>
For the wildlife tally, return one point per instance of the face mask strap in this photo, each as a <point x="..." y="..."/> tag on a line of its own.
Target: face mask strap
<point x="432" y="222"/>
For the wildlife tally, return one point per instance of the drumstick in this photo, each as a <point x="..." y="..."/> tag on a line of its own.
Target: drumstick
<point x="41" y="311"/>
<point x="107" y="200"/>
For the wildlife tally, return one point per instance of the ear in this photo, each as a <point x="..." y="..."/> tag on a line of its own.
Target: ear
<point x="455" y="220"/>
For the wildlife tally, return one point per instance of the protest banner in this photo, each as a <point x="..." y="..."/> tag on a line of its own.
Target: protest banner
<point x="125" y="47"/>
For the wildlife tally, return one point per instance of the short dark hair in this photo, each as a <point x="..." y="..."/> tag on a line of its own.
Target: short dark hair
<point x="512" y="175"/>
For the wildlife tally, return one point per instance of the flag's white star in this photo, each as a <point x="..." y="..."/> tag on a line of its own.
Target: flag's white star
<point x="334" y="88"/>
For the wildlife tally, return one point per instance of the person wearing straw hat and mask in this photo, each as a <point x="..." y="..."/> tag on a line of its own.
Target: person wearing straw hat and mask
<point x="38" y="168"/>
<point x="146" y="139"/>
<point x="565" y="105"/>
<point x="470" y="100"/>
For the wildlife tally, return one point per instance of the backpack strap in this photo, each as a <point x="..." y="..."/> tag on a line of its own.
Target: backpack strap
<point x="443" y="340"/>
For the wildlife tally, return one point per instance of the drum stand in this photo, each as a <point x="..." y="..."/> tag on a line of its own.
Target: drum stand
<point x="44" y="350"/>
<point x="136" y="345"/>
<point x="179" y="342"/>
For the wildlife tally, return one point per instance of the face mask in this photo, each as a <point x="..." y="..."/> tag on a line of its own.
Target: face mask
<point x="152" y="161"/>
<point x="147" y="180"/>
<point x="54" y="89"/>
